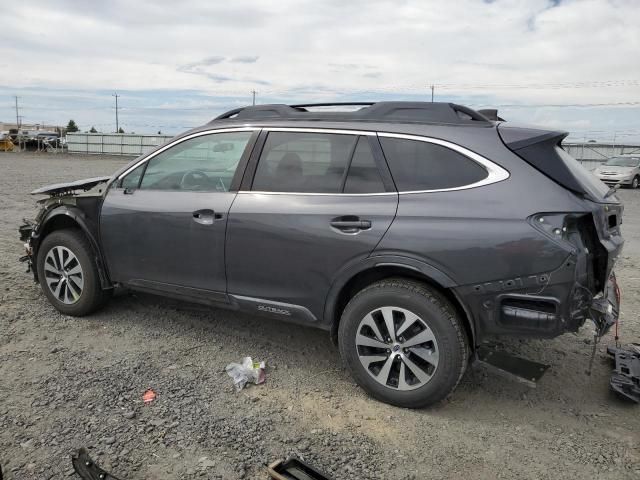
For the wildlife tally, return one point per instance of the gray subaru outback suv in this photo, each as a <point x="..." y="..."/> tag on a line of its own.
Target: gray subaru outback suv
<point x="412" y="232"/>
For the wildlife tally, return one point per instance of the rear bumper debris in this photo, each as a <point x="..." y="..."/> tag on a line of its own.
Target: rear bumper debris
<point x="510" y="366"/>
<point x="87" y="469"/>
<point x="293" y="468"/>
<point x="625" y="379"/>
<point x="605" y="309"/>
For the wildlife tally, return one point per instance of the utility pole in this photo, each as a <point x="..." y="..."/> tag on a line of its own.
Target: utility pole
<point x="17" y="114"/>
<point x="253" y="92"/>
<point x="432" y="87"/>
<point x="117" y="124"/>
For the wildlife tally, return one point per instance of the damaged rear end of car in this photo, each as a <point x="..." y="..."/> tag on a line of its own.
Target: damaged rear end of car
<point x="591" y="236"/>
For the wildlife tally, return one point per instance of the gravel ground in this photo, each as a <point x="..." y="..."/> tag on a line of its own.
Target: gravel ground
<point x="70" y="382"/>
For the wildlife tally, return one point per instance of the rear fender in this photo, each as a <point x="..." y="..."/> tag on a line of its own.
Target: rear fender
<point x="410" y="266"/>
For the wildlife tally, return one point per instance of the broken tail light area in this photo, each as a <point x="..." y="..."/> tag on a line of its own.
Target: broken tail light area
<point x="595" y="293"/>
<point x="605" y="307"/>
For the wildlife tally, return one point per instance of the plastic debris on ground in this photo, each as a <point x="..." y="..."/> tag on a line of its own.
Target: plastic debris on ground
<point x="149" y="396"/>
<point x="245" y="372"/>
<point x="625" y="379"/>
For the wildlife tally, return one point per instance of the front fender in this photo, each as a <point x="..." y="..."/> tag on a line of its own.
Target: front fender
<point x="47" y="223"/>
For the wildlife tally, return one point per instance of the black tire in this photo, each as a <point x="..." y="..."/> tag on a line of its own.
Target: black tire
<point x="635" y="183"/>
<point x="92" y="296"/>
<point x="439" y="315"/>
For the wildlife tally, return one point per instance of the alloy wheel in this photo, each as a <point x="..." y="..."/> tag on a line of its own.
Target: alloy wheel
<point x="397" y="348"/>
<point x="63" y="274"/>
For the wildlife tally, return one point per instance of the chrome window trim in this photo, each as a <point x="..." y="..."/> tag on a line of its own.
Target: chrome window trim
<point x="259" y="192"/>
<point x="184" y="139"/>
<point x="495" y="172"/>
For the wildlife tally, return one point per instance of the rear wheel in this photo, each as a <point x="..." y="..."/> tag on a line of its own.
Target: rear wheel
<point x="403" y="342"/>
<point x="635" y="183"/>
<point x="68" y="274"/>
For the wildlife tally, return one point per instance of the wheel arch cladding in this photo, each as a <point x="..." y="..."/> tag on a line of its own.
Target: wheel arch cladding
<point x="368" y="276"/>
<point x="65" y="217"/>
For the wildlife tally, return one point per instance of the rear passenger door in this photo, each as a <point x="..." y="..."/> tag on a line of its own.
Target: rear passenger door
<point x="312" y="202"/>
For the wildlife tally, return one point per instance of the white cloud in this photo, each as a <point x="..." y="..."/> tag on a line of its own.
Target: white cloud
<point x="317" y="49"/>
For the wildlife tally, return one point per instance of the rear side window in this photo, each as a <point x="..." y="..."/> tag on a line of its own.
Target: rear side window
<point x="417" y="165"/>
<point x="303" y="162"/>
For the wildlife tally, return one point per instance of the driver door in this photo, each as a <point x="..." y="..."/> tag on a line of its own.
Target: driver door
<point x="163" y="224"/>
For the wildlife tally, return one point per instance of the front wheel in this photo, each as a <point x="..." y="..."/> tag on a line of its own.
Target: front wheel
<point x="635" y="183"/>
<point x="68" y="274"/>
<point x="403" y="342"/>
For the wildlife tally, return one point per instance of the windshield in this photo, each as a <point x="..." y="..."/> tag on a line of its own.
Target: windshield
<point x="623" y="162"/>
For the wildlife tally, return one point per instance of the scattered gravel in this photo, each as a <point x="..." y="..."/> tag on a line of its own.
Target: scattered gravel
<point x="70" y="382"/>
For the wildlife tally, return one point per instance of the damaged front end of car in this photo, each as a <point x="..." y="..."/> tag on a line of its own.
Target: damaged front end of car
<point x="66" y="205"/>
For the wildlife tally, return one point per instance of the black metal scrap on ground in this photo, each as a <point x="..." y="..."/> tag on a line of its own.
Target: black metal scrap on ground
<point x="291" y="468"/>
<point x="625" y="379"/>
<point x="87" y="469"/>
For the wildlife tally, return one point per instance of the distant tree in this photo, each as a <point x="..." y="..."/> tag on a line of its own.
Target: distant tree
<point x="159" y="132"/>
<point x="93" y="130"/>
<point x="72" y="127"/>
<point x="120" y="130"/>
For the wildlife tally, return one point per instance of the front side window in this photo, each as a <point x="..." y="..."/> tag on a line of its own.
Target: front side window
<point x="132" y="179"/>
<point x="303" y="162"/>
<point x="202" y="164"/>
<point x="416" y="165"/>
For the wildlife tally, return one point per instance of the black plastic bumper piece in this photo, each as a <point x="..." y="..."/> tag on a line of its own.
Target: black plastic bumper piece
<point x="509" y="366"/>
<point x="625" y="379"/>
<point x="293" y="468"/>
<point x="25" y="229"/>
<point x="87" y="469"/>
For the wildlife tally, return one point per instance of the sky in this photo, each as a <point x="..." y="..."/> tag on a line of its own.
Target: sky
<point x="567" y="64"/>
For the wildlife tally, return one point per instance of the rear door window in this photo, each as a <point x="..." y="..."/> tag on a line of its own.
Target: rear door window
<point x="417" y="165"/>
<point x="301" y="162"/>
<point x="363" y="176"/>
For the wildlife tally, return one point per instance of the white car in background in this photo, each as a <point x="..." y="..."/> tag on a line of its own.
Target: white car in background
<point x="623" y="170"/>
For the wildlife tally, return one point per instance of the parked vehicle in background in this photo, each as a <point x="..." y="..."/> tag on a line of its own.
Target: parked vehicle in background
<point x="410" y="231"/>
<point x="622" y="170"/>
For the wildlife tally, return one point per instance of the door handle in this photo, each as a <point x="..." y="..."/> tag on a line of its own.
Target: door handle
<point x="206" y="216"/>
<point x="350" y="224"/>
